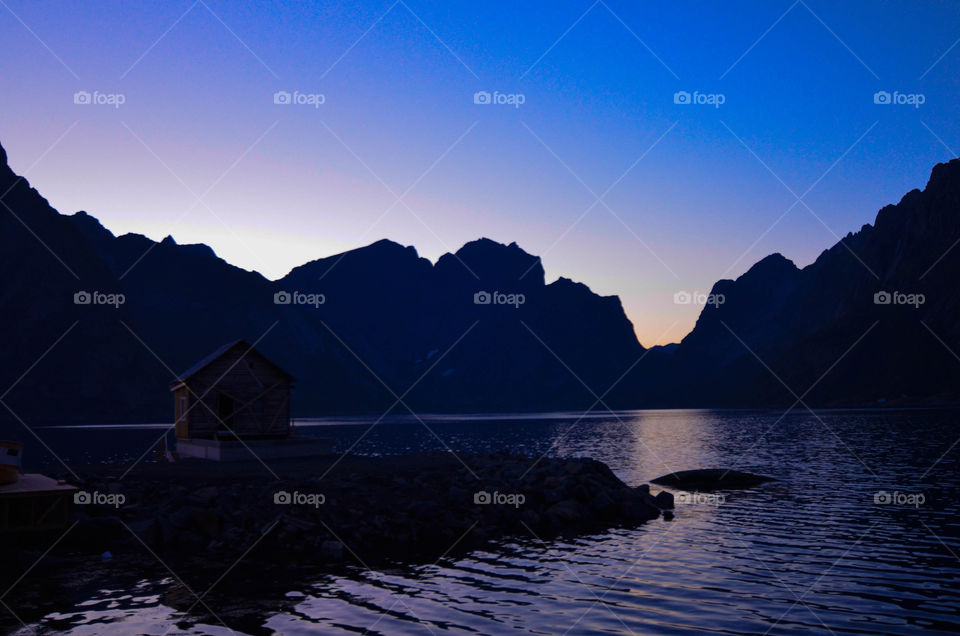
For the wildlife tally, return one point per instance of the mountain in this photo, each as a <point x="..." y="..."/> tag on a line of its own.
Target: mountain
<point x="479" y="330"/>
<point x="874" y="320"/>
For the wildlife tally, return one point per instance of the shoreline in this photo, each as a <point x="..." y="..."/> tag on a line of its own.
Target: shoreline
<point x="355" y="419"/>
<point x="329" y="511"/>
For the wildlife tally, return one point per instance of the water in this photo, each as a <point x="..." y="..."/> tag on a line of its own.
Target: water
<point x="816" y="551"/>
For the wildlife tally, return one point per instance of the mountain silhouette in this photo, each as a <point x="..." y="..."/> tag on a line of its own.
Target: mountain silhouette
<point x="874" y="320"/>
<point x="479" y="330"/>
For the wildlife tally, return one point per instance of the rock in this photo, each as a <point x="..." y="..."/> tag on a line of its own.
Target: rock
<point x="530" y="517"/>
<point x="190" y="541"/>
<point x="635" y="510"/>
<point x="664" y="500"/>
<point x="603" y="503"/>
<point x="331" y="550"/>
<point x="553" y="482"/>
<point x="566" y="511"/>
<point x="711" y="479"/>
<point x="299" y="524"/>
<point x="183" y="517"/>
<point x="204" y="496"/>
<point x="208" y="521"/>
<point x="649" y="499"/>
<point x="371" y="511"/>
<point x="148" y="530"/>
<point x="168" y="532"/>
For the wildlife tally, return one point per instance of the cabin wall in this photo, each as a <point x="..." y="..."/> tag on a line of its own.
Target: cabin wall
<point x="254" y="393"/>
<point x="181" y="411"/>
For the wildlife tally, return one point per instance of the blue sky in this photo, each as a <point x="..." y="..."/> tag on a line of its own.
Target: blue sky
<point x="689" y="193"/>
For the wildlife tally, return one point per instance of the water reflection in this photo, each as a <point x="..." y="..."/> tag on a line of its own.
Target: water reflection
<point x="813" y="551"/>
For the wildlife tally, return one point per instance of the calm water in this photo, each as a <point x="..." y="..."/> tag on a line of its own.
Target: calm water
<point x="811" y="552"/>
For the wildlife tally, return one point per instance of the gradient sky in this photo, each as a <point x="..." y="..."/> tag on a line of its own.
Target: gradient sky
<point x="696" y="192"/>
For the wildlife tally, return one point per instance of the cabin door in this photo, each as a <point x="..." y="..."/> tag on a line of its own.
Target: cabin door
<point x="225" y="408"/>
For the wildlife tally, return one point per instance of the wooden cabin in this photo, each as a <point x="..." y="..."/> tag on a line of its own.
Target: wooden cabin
<point x="235" y="391"/>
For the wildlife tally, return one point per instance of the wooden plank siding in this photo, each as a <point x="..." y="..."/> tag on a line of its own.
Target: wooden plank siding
<point x="239" y="391"/>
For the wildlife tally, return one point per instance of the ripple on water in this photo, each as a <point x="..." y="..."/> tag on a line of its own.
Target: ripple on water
<point x="810" y="552"/>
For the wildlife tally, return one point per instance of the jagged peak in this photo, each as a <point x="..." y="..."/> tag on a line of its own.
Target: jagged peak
<point x="489" y="258"/>
<point x="90" y="224"/>
<point x="775" y="260"/>
<point x="944" y="174"/>
<point x="484" y="246"/>
<point x="201" y="250"/>
<point x="772" y="264"/>
<point x="383" y="246"/>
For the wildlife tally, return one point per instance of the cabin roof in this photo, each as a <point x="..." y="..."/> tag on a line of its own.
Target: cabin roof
<point x="207" y="360"/>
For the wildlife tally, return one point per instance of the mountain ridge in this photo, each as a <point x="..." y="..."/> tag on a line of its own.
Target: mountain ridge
<point x="384" y="310"/>
<point x="479" y="329"/>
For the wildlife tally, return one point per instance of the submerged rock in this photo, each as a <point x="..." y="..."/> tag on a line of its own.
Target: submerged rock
<point x="711" y="479"/>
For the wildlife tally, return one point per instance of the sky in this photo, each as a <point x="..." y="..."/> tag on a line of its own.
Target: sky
<point x="641" y="148"/>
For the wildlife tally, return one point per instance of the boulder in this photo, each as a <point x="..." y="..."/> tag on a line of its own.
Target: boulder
<point x="664" y="500"/>
<point x="204" y="496"/>
<point x="711" y="479"/>
<point x="208" y="521"/>
<point x="567" y="511"/>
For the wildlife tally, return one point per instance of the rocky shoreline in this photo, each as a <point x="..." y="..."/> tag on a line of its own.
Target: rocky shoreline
<point x="364" y="510"/>
<point x="245" y="533"/>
